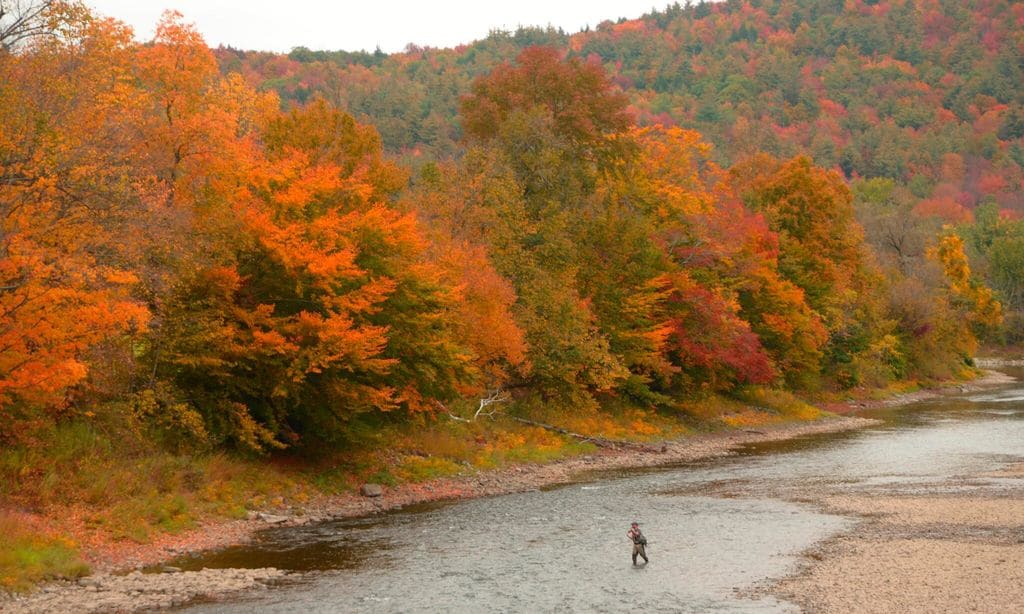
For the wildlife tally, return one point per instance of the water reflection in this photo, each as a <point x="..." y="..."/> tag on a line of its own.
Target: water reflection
<point x="310" y="548"/>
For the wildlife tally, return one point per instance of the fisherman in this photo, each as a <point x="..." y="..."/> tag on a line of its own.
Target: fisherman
<point x="639" y="542"/>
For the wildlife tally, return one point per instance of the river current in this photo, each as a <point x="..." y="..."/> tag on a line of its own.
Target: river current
<point x="717" y="528"/>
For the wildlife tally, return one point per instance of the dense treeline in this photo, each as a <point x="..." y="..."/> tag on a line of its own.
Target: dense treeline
<point x="925" y="92"/>
<point x="917" y="103"/>
<point x="221" y="272"/>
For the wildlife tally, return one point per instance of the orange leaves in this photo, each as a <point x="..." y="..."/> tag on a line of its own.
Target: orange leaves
<point x="325" y="138"/>
<point x="484" y="316"/>
<point x="66" y="184"/>
<point x="298" y="185"/>
<point x="320" y="250"/>
<point x="568" y="252"/>
<point x="673" y="159"/>
<point x="179" y="59"/>
<point x="47" y="324"/>
<point x="272" y="341"/>
<point x="316" y="302"/>
<point x="334" y="342"/>
<point x="196" y="127"/>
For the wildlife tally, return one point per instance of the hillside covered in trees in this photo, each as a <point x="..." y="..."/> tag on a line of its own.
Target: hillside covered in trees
<point x="918" y="104"/>
<point x="195" y="260"/>
<point x="925" y="93"/>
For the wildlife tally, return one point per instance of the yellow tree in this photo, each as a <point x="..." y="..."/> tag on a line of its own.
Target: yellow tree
<point x="983" y="310"/>
<point x="458" y="232"/>
<point x="821" y="251"/>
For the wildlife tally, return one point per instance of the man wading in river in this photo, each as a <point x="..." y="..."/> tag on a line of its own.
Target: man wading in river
<point x="639" y="542"/>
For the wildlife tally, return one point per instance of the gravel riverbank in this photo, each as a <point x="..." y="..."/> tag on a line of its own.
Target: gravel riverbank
<point x="955" y="545"/>
<point x="919" y="553"/>
<point x="136" y="592"/>
<point x="108" y="592"/>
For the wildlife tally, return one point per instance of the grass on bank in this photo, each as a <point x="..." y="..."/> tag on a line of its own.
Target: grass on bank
<point x="29" y="557"/>
<point x="101" y="477"/>
<point x="129" y="490"/>
<point x="751" y="407"/>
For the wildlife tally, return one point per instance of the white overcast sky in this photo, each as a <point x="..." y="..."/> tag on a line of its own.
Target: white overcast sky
<point x="280" y="25"/>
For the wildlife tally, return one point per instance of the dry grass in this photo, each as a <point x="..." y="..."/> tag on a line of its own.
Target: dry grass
<point x="130" y="492"/>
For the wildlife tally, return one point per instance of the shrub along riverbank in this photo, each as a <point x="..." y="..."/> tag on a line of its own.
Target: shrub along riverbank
<point x="93" y="491"/>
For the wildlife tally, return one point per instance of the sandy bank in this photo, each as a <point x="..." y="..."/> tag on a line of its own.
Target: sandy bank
<point x="919" y="554"/>
<point x="955" y="545"/>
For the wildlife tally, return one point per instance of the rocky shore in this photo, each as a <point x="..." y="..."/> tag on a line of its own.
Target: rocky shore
<point x="136" y="592"/>
<point x="955" y="545"/>
<point x="995" y="363"/>
<point x="107" y="591"/>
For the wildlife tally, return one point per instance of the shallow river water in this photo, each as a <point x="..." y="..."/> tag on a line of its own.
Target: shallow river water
<point x="717" y="528"/>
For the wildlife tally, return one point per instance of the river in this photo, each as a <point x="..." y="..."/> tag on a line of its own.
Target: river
<point x="717" y="529"/>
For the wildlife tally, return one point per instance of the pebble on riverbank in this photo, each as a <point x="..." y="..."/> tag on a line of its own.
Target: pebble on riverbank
<point x="138" y="592"/>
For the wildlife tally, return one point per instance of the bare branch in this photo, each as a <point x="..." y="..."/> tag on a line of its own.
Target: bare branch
<point x="21" y="20"/>
<point x="495" y="397"/>
<point x="498" y="396"/>
<point x="445" y="409"/>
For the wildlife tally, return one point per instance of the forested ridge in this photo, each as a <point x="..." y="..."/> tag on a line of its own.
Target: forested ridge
<point x="917" y="104"/>
<point x="877" y="89"/>
<point x="215" y="255"/>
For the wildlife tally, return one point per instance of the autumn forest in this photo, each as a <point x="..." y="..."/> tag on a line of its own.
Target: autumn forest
<point x="318" y="259"/>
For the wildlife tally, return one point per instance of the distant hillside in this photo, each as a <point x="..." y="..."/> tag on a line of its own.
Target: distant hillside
<point x="928" y="93"/>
